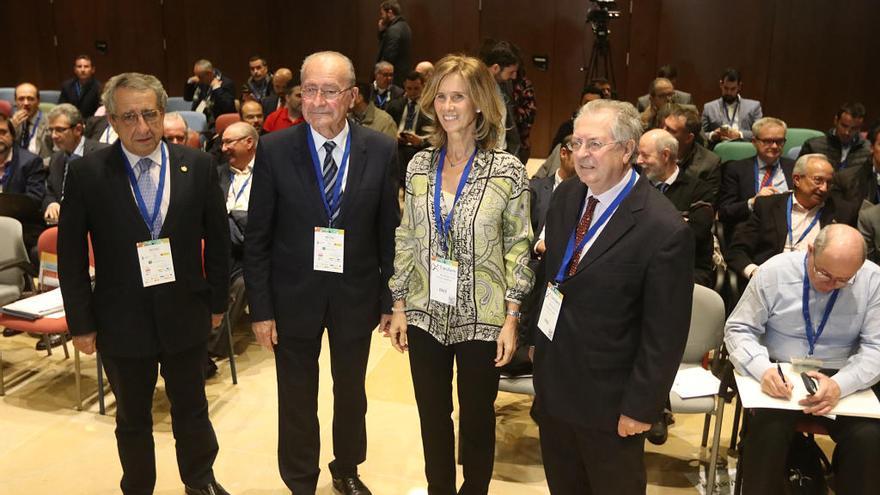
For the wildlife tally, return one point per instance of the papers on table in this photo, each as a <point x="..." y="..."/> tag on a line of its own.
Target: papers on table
<point x="695" y="382"/>
<point x="863" y="403"/>
<point x="35" y="307"/>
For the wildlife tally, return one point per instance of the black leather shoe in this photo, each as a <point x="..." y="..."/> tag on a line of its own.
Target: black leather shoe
<point x="54" y="341"/>
<point x="213" y="488"/>
<point x="8" y="332"/>
<point x="659" y="432"/>
<point x="210" y="368"/>
<point x="350" y="485"/>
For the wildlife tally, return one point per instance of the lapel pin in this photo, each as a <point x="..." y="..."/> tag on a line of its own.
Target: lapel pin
<point x="184" y="168"/>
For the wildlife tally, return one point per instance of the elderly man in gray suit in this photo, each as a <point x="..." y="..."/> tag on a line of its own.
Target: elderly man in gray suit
<point x="730" y="117"/>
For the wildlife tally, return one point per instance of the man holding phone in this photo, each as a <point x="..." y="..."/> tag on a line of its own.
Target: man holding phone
<point x="730" y="117"/>
<point x="820" y="311"/>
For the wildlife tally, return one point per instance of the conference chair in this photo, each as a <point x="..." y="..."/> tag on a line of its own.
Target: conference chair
<point x="705" y="335"/>
<point x="734" y="150"/>
<point x="793" y="153"/>
<point x="8" y="94"/>
<point x="225" y="121"/>
<point x="14" y="264"/>
<point x="795" y="137"/>
<point x="46" y="107"/>
<point x="50" y="96"/>
<point x="177" y="104"/>
<point x="196" y="121"/>
<point x="5" y="108"/>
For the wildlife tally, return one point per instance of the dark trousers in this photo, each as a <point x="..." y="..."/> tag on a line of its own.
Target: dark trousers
<point x="578" y="460"/>
<point x="299" y="434"/>
<point x="765" y="448"/>
<point x="431" y="365"/>
<point x="133" y="381"/>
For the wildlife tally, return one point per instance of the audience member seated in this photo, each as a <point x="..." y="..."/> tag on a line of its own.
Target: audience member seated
<point x="412" y="123"/>
<point x="66" y="128"/>
<point x="541" y="189"/>
<point x="239" y="145"/>
<point x="861" y="181"/>
<point x="692" y="197"/>
<point x="258" y="87"/>
<point x="384" y="89"/>
<point x="869" y="226"/>
<point x="425" y="68"/>
<point x="82" y="91"/>
<point x="843" y="346"/>
<point x="730" y="118"/>
<point x="604" y="84"/>
<point x="660" y="92"/>
<point x="365" y="113"/>
<point x="290" y="114"/>
<point x="787" y="222"/>
<point x="210" y="92"/>
<point x="694" y="159"/>
<point x="281" y="81"/>
<point x="502" y="60"/>
<point x="175" y="130"/>
<point x="30" y="123"/>
<point x="842" y="144"/>
<point x="98" y="128"/>
<point x="588" y="94"/>
<point x="252" y="113"/>
<point x="766" y="173"/>
<point x="679" y="97"/>
<point x="22" y="172"/>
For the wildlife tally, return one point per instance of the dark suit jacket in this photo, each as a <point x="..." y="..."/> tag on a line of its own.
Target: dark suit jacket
<point x="57" y="164"/>
<point x="223" y="97"/>
<point x="270" y="104"/>
<point x="625" y="317"/>
<point x="693" y="197"/>
<point x="395" y="110"/>
<point x="765" y="234"/>
<point x="26" y="175"/>
<point x="237" y="220"/>
<point x="858" y="182"/>
<point x="704" y="165"/>
<point x="132" y="320"/>
<point x="395" y="47"/>
<point x="285" y="208"/>
<point x="830" y="146"/>
<point x="88" y="100"/>
<point x="394" y="92"/>
<point x="541" y="190"/>
<point x="738" y="186"/>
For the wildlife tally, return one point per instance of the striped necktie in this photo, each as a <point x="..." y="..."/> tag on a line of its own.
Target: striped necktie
<point x="330" y="176"/>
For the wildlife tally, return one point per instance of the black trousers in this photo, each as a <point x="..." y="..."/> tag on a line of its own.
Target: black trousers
<point x="299" y="434"/>
<point x="765" y="448"/>
<point x="133" y="381"/>
<point x="578" y="460"/>
<point x="431" y="365"/>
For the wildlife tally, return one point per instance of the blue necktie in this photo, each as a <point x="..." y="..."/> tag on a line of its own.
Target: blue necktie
<point x="148" y="192"/>
<point x="330" y="172"/>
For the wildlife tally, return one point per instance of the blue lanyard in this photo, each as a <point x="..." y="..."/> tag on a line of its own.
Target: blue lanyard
<point x="333" y="205"/>
<point x="243" y="186"/>
<point x="813" y="335"/>
<point x="570" y="249"/>
<point x="444" y="225"/>
<point x="758" y="182"/>
<point x="33" y="130"/>
<point x="150" y="219"/>
<point x="381" y="100"/>
<point x="809" y="227"/>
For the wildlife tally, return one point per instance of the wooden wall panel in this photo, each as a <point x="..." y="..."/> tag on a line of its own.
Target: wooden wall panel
<point x="27" y="38"/>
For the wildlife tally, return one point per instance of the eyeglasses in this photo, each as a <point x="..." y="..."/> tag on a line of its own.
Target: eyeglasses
<point x="59" y="130"/>
<point x="229" y="142"/>
<point x="592" y="145"/>
<point x="768" y="142"/>
<point x="819" y="181"/>
<point x="329" y="94"/>
<point x="827" y="277"/>
<point x="131" y="118"/>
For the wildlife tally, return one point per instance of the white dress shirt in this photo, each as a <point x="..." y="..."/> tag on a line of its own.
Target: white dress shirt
<point x="340" y="140"/>
<point x="605" y="200"/>
<point x="156" y="157"/>
<point x="240" y="188"/>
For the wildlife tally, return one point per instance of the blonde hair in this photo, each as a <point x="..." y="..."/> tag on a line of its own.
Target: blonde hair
<point x="483" y="92"/>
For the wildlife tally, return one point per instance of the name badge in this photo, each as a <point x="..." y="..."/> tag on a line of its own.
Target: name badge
<point x="329" y="249"/>
<point x="157" y="265"/>
<point x="550" y="311"/>
<point x="807" y="362"/>
<point x="444" y="280"/>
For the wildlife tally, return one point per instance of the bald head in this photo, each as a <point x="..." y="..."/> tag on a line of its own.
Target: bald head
<point x="425" y="68"/>
<point x="280" y="79"/>
<point x="837" y="254"/>
<point x="658" y="150"/>
<point x="239" y="144"/>
<point x="252" y="113"/>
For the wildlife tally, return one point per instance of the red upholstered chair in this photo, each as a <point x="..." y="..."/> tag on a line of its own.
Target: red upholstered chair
<point x="48" y="243"/>
<point x="5" y="108"/>
<point x="225" y="121"/>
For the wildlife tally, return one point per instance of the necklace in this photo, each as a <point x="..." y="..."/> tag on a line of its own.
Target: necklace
<point x="461" y="161"/>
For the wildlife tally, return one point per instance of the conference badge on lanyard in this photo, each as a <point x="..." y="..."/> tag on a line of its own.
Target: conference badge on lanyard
<point x="550" y="310"/>
<point x="329" y="249"/>
<point x="157" y="264"/>
<point x="444" y="280"/>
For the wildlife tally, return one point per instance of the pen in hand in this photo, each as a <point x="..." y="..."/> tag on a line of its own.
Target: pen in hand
<point x="781" y="374"/>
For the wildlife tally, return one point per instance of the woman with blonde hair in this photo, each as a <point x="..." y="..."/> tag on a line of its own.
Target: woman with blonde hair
<point x="460" y="270"/>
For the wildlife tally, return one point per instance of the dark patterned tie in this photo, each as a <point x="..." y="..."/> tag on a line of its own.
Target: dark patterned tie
<point x="582" y="228"/>
<point x="410" y="116"/>
<point x="330" y="170"/>
<point x="25" y="134"/>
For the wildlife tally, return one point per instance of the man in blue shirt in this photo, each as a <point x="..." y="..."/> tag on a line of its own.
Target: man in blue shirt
<point x="840" y="293"/>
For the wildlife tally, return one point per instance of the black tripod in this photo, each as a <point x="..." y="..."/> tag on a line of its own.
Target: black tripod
<point x="600" y="60"/>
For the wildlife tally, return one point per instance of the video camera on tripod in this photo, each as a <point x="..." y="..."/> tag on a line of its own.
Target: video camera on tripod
<point x="600" y="14"/>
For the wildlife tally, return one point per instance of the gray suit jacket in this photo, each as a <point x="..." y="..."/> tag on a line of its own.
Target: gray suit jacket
<point x="749" y="111"/>
<point x="869" y="226"/>
<point x="679" y="97"/>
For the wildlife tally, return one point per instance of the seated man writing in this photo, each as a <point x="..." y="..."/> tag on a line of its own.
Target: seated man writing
<point x="819" y="309"/>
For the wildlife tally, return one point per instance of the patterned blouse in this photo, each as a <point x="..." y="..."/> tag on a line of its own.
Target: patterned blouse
<point x="491" y="234"/>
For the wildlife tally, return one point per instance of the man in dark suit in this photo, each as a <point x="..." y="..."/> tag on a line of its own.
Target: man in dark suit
<point x="842" y="144"/>
<point x="82" y="91"/>
<point x="787" y="222"/>
<point x="210" y="91"/>
<point x="694" y="159"/>
<point x="744" y="180"/>
<point x="691" y="197"/>
<point x="613" y="330"/>
<point x="384" y="89"/>
<point x="411" y="123"/>
<point x="542" y="189"/>
<point x="22" y="172"/>
<point x="319" y="253"/>
<point x="66" y="128"/>
<point x="395" y="39"/>
<point x="861" y="181"/>
<point x="149" y="208"/>
<point x="679" y="97"/>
